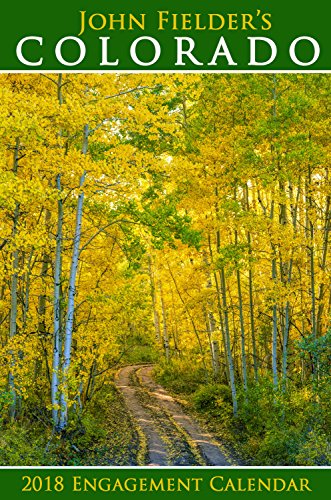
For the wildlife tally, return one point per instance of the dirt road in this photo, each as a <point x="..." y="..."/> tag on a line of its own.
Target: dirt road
<point x="172" y="437"/>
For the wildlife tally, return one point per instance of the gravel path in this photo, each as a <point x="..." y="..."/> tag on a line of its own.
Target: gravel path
<point x="173" y="438"/>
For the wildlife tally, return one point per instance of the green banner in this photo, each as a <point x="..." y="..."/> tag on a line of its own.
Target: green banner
<point x="179" y="483"/>
<point x="250" y="35"/>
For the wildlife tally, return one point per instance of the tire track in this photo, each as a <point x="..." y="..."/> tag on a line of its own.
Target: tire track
<point x="157" y="452"/>
<point x="164" y="423"/>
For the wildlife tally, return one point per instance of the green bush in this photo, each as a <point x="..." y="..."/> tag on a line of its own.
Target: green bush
<point x="6" y="399"/>
<point x="141" y="354"/>
<point x="104" y="441"/>
<point x="273" y="427"/>
<point x="315" y="449"/>
<point x="285" y="428"/>
<point x="24" y="446"/>
<point x="278" y="447"/>
<point x="212" y="397"/>
<point x="91" y="438"/>
<point x="180" y="375"/>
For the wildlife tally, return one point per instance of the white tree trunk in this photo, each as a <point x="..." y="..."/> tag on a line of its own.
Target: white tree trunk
<point x="165" y="326"/>
<point x="274" y="330"/>
<point x="154" y="301"/>
<point x="57" y="309"/>
<point x="71" y="294"/>
<point x="242" y="331"/>
<point x="215" y="357"/>
<point x="228" y="344"/>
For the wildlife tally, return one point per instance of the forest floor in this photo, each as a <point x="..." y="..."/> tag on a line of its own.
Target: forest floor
<point x="168" y="436"/>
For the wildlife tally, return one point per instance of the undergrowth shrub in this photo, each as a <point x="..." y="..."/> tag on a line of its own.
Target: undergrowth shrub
<point x="141" y="354"/>
<point x="102" y="441"/>
<point x="22" y="445"/>
<point x="291" y="427"/>
<point x="315" y="449"/>
<point x="180" y="375"/>
<point x="103" y="434"/>
<point x="6" y="400"/>
<point x="284" y="428"/>
<point x="212" y="397"/>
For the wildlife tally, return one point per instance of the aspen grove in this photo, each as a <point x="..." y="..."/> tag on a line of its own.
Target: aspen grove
<point x="186" y="216"/>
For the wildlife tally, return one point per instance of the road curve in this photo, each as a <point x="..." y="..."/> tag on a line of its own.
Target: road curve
<point x="172" y="437"/>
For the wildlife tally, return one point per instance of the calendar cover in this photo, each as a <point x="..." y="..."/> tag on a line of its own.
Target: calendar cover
<point x="165" y="212"/>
